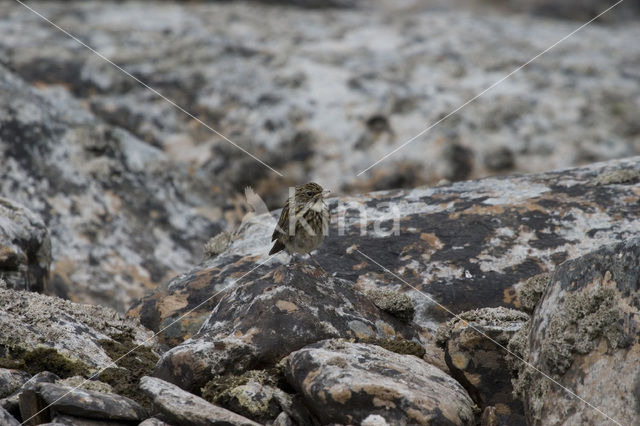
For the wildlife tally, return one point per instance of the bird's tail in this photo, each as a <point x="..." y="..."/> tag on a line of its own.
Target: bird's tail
<point x="278" y="246"/>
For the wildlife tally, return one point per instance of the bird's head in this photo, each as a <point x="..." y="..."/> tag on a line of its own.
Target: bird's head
<point x="310" y="192"/>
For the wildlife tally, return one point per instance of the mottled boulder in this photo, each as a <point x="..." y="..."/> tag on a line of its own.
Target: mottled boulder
<point x="117" y="208"/>
<point x="12" y="402"/>
<point x="39" y="333"/>
<point x="184" y="408"/>
<point x="479" y="364"/>
<point x="25" y="248"/>
<point x="79" y="402"/>
<point x="272" y="313"/>
<point x="585" y="334"/>
<point x="345" y="383"/>
<point x="468" y="245"/>
<point x="11" y="380"/>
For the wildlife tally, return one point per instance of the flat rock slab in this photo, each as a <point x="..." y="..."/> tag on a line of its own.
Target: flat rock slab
<point x="468" y="245"/>
<point x="272" y="314"/>
<point x="91" y="404"/>
<point x="7" y="419"/>
<point x="343" y="382"/>
<point x="585" y="333"/>
<point x="183" y="408"/>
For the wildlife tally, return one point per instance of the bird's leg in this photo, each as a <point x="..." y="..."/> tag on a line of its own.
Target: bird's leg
<point x="316" y="262"/>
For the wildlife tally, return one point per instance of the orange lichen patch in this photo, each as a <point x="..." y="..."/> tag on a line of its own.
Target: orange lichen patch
<point x="278" y="276"/>
<point x="248" y="335"/>
<point x="431" y="239"/>
<point x="510" y="296"/>
<point x="168" y="305"/>
<point x="459" y="360"/>
<point x="286" y="306"/>
<point x="474" y="379"/>
<point x="496" y="210"/>
<point x="420" y="419"/>
<point x="203" y="278"/>
<point x="340" y="393"/>
<point x="359" y="266"/>
<point x="379" y="402"/>
<point x="307" y="383"/>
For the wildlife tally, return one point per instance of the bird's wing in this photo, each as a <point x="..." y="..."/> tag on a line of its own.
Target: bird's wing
<point x="255" y="201"/>
<point x="283" y="223"/>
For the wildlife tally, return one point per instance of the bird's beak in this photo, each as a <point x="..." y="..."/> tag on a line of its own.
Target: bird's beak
<point x="326" y="193"/>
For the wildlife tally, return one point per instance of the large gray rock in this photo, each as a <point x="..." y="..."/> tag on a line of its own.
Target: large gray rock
<point x="272" y="314"/>
<point x="322" y="94"/>
<point x="118" y="211"/>
<point x="345" y="383"/>
<point x="468" y="245"/>
<point x="584" y="333"/>
<point x="25" y="248"/>
<point x="184" y="408"/>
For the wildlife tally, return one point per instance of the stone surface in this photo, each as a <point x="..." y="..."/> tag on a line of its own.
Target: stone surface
<point x="11" y="380"/>
<point x="272" y="313"/>
<point x="12" y="402"/>
<point x="345" y="383"/>
<point x="7" y="419"/>
<point x="585" y="335"/>
<point x="152" y="421"/>
<point x="25" y="248"/>
<point x="467" y="245"/>
<point x="91" y="404"/>
<point x="120" y="218"/>
<point x="184" y="408"/>
<point x="39" y="332"/>
<point x="530" y="292"/>
<point x="479" y="364"/>
<point x="394" y="302"/>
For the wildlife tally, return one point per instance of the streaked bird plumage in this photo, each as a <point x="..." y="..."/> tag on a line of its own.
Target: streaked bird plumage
<point x="304" y="221"/>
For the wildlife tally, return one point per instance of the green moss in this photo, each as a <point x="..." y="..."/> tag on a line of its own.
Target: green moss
<point x="217" y="390"/>
<point x="400" y="346"/>
<point x="124" y="378"/>
<point x="43" y="359"/>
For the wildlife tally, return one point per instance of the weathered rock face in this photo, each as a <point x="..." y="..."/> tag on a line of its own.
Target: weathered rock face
<point x="479" y="364"/>
<point x="117" y="208"/>
<point x="272" y="314"/>
<point x="585" y="334"/>
<point x="345" y="383"/>
<point x="322" y="94"/>
<point x="468" y="245"/>
<point x="39" y="332"/>
<point x="25" y="248"/>
<point x="184" y="408"/>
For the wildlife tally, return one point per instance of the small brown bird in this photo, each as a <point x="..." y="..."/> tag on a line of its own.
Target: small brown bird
<point x="304" y="221"/>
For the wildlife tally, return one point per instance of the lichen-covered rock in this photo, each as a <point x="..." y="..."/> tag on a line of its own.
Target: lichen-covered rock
<point x="117" y="208"/>
<point x="530" y="292"/>
<point x="345" y="383"/>
<point x="84" y="403"/>
<point x="39" y="332"/>
<point x="585" y="335"/>
<point x="272" y="313"/>
<point x="394" y="302"/>
<point x="184" y="408"/>
<point x="468" y="245"/>
<point x="25" y="248"/>
<point x="479" y="364"/>
<point x="12" y="402"/>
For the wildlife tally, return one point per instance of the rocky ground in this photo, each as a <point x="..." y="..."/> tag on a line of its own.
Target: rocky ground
<point x="508" y="299"/>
